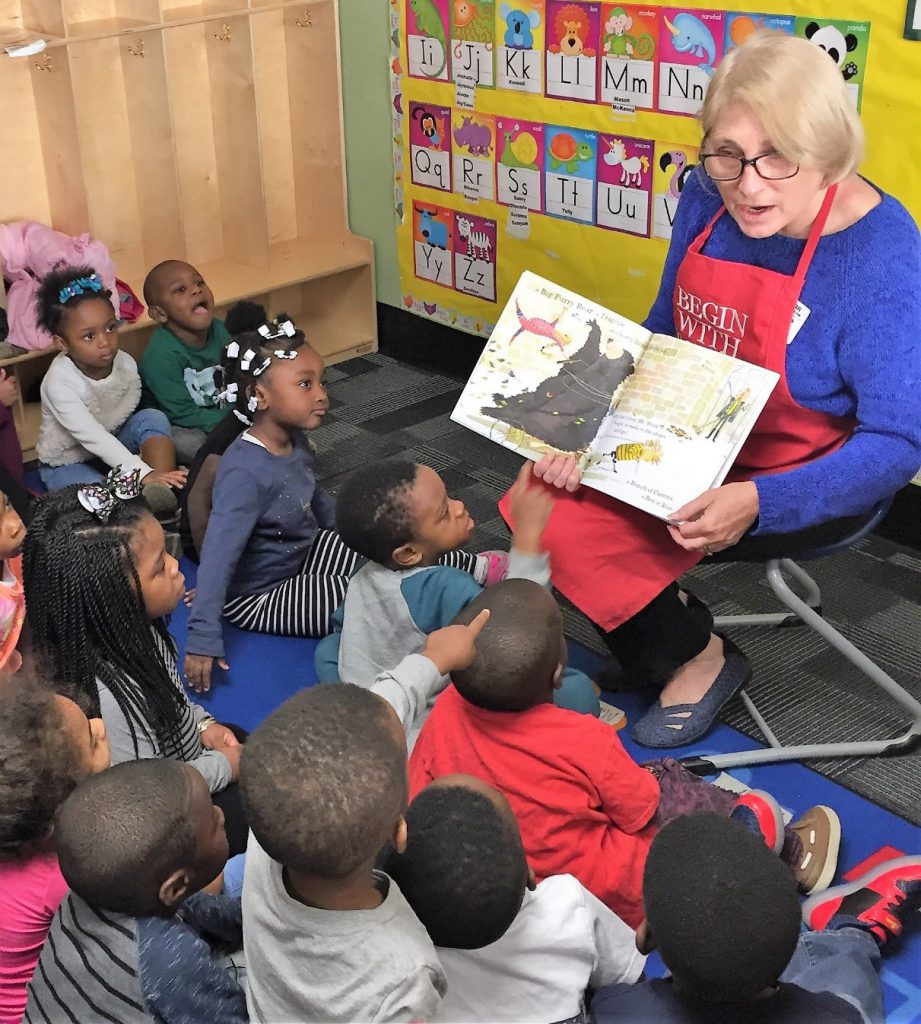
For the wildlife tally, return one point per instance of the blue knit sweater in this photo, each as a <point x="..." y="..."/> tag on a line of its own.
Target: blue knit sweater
<point x="858" y="353"/>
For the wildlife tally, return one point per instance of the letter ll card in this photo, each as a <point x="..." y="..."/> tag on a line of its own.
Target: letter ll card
<point x="572" y="50"/>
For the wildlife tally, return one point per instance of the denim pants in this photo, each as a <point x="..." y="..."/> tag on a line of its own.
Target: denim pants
<point x="138" y="428"/>
<point x="843" y="959"/>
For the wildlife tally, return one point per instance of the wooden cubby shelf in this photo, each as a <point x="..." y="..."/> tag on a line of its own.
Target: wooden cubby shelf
<point x="209" y="132"/>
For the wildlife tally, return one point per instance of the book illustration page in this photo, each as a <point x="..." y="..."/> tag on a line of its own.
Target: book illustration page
<point x="550" y="371"/>
<point x="678" y="427"/>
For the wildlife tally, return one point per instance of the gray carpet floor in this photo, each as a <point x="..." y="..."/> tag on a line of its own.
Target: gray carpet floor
<point x="871" y="593"/>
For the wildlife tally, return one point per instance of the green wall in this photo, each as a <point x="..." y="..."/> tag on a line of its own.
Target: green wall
<point x="365" y="30"/>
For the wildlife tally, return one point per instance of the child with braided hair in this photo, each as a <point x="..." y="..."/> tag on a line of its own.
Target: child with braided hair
<point x="99" y="583"/>
<point x="271" y="560"/>
<point x="90" y="396"/>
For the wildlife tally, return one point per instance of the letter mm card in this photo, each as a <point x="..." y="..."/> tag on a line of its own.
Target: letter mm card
<point x="690" y="46"/>
<point x="627" y="65"/>
<point x="433" y="243"/>
<point x="475" y="256"/>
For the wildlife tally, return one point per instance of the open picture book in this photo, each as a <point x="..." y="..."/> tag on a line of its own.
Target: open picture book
<point x="652" y="420"/>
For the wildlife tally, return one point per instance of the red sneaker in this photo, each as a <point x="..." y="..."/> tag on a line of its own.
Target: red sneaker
<point x="760" y="813"/>
<point x="882" y="899"/>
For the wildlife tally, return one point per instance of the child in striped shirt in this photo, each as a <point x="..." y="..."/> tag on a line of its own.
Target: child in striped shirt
<point x="136" y="940"/>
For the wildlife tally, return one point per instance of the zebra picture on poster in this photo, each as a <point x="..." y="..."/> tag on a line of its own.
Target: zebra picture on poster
<point x="475" y="256"/>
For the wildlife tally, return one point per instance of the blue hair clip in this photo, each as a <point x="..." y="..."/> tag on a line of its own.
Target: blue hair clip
<point x="79" y="286"/>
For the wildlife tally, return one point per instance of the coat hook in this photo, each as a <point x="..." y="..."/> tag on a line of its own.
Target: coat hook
<point x="224" y="34"/>
<point x="45" y="64"/>
<point x="137" y="51"/>
<point x="306" y="23"/>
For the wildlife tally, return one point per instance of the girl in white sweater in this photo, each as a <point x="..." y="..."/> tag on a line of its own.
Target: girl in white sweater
<point x="90" y="396"/>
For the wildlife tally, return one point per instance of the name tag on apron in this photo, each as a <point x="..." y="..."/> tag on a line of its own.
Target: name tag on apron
<point x="800" y="314"/>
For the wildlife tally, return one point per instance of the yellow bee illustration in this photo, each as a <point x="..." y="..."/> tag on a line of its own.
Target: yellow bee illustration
<point x="637" y="451"/>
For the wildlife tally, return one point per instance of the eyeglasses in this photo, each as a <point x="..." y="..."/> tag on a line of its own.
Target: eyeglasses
<point x="770" y="166"/>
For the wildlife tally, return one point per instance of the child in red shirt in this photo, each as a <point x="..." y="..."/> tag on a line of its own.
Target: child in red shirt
<point x="584" y="807"/>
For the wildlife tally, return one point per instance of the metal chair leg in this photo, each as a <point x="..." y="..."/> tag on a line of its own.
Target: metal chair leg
<point x="812" y="595"/>
<point x="809" y="616"/>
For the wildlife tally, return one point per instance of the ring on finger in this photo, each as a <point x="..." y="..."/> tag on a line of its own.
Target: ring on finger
<point x="708" y="549"/>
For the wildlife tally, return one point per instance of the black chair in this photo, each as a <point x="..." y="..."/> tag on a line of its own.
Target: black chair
<point x="806" y="610"/>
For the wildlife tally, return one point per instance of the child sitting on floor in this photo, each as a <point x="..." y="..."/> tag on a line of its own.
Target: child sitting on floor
<point x="725" y="918"/>
<point x="511" y="951"/>
<point x="48" y="746"/>
<point x="583" y="806"/>
<point x="271" y="561"/>
<point x="99" y="583"/>
<point x="398" y="515"/>
<point x="12" y="596"/>
<point x="199" y="490"/>
<point x="183" y="352"/>
<point x="90" y="396"/>
<point x="328" y="937"/>
<point x="136" y="940"/>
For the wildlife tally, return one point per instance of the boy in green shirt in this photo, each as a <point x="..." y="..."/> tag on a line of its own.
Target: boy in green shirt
<point x="178" y="365"/>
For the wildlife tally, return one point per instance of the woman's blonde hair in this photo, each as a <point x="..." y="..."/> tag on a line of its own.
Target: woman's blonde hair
<point x="798" y="94"/>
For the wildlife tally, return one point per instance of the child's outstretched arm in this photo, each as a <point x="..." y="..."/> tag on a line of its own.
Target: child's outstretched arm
<point x="531" y="505"/>
<point x="409" y="687"/>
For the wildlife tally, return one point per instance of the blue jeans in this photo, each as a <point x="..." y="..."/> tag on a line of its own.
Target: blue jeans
<point x="843" y="959"/>
<point x="138" y="428"/>
<point x="233" y="875"/>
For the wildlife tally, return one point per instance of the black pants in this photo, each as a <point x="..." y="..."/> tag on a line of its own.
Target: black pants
<point x="235" y="823"/>
<point x="666" y="634"/>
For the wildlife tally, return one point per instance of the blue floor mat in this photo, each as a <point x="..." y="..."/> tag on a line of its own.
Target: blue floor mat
<point x="266" y="670"/>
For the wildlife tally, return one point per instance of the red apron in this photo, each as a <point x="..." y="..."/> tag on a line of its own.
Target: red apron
<point x="611" y="559"/>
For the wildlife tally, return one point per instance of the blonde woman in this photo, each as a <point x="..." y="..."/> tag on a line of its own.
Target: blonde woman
<point x="782" y="255"/>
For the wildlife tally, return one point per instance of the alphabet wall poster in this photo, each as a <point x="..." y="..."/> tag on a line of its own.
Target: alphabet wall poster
<point x="624" y="183"/>
<point x="473" y="28"/>
<point x="475" y="256"/>
<point x="430" y="146"/>
<point x="474" y="138"/>
<point x="520" y="163"/>
<point x="569" y="173"/>
<point x="427" y="24"/>
<point x="845" y="42"/>
<point x="740" y="25"/>
<point x="690" y="46"/>
<point x="433" y="232"/>
<point x="520" y="46"/>
<point x="572" y="50"/>
<point x="629" y="36"/>
<point x="672" y="166"/>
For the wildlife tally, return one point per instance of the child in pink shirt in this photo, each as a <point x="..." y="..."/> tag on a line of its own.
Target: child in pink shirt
<point x="48" y="747"/>
<point x="12" y="597"/>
